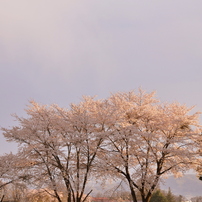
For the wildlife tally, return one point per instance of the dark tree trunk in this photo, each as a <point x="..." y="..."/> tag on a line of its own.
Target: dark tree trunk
<point x="2" y="198"/>
<point x="133" y="195"/>
<point x="57" y="196"/>
<point x="69" y="198"/>
<point x="147" y="199"/>
<point x="134" y="198"/>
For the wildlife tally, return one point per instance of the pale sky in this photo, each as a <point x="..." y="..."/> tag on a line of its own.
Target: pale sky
<point x="56" y="51"/>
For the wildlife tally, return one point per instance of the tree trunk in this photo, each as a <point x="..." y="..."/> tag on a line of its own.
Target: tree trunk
<point x="69" y="198"/>
<point x="132" y="191"/>
<point x="78" y="199"/>
<point x="146" y="198"/>
<point x="2" y="198"/>
<point x="57" y="196"/>
<point x="133" y="195"/>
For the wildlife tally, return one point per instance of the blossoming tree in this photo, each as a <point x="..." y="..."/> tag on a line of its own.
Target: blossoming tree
<point x="129" y="136"/>
<point x="149" y="140"/>
<point x="60" y="144"/>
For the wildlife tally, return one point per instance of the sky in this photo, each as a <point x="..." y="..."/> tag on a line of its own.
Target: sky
<point x="56" y="51"/>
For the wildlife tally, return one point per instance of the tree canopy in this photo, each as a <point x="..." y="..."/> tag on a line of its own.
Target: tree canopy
<point x="129" y="136"/>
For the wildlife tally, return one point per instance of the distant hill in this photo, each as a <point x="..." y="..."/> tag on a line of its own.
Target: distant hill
<point x="188" y="185"/>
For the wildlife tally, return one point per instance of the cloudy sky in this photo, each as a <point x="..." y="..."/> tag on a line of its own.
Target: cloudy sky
<point x="56" y="51"/>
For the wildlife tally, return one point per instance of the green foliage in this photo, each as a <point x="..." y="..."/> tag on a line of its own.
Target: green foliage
<point x="158" y="196"/>
<point x="162" y="196"/>
<point x="170" y="197"/>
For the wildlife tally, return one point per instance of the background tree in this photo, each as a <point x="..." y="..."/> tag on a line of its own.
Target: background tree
<point x="170" y="197"/>
<point x="196" y="199"/>
<point x="12" y="177"/>
<point x="158" y="196"/>
<point x="8" y="171"/>
<point x="15" y="192"/>
<point x="42" y="195"/>
<point x="180" y="198"/>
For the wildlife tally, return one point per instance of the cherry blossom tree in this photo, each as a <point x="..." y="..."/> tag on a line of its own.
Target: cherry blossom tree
<point x="11" y="173"/>
<point x="60" y="143"/>
<point x="7" y="164"/>
<point x="11" y="170"/>
<point x="149" y="140"/>
<point x="129" y="136"/>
